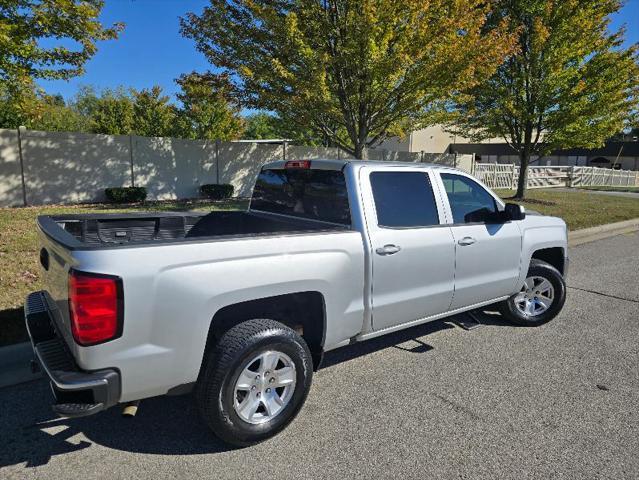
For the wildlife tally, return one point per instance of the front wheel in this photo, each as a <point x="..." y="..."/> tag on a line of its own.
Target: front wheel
<point x="255" y="382"/>
<point x="541" y="297"/>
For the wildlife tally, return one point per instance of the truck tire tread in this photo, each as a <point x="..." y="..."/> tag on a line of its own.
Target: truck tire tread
<point x="239" y="342"/>
<point x="546" y="270"/>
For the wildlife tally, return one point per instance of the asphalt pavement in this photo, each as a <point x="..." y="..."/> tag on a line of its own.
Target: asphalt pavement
<point x="435" y="401"/>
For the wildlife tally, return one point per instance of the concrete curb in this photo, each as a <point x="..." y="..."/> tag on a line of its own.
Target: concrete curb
<point x="600" y="232"/>
<point x="15" y="364"/>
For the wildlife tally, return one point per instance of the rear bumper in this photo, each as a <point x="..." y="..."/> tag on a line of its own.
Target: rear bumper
<point x="77" y="393"/>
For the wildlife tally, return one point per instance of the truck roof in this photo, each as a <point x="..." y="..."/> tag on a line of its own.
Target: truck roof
<point x="328" y="164"/>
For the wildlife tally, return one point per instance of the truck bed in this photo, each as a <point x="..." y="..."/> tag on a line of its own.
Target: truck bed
<point x="112" y="230"/>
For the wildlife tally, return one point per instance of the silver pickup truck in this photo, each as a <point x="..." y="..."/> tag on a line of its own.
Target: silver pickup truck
<point x="240" y="306"/>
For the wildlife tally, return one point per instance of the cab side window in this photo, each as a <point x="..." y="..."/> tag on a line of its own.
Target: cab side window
<point x="469" y="201"/>
<point x="404" y="199"/>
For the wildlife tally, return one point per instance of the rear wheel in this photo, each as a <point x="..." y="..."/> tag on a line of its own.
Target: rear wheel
<point x="255" y="382"/>
<point x="540" y="299"/>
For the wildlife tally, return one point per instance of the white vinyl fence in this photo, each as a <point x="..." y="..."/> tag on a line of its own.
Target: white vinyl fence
<point x="593" y="176"/>
<point x="506" y="176"/>
<point x="496" y="175"/>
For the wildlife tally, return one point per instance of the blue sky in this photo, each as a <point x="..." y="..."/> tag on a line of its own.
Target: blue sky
<point x="151" y="50"/>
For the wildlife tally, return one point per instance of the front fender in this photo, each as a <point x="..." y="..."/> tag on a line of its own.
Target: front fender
<point x="540" y="232"/>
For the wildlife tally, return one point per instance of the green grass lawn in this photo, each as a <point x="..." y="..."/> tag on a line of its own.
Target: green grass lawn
<point x="612" y="189"/>
<point x="19" y="265"/>
<point x="578" y="208"/>
<point x="20" y="272"/>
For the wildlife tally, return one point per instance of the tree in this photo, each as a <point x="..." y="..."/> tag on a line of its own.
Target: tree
<point x="51" y="113"/>
<point x="86" y="100"/>
<point x="12" y="109"/>
<point x="153" y="115"/>
<point x="209" y="110"/>
<point x="569" y="83"/>
<point x="111" y="113"/>
<point x="353" y="71"/>
<point x="264" y="125"/>
<point x="35" y="37"/>
<point x="38" y="111"/>
<point x="261" y="126"/>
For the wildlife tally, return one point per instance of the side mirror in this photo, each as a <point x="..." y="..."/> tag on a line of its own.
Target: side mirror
<point x="514" y="211"/>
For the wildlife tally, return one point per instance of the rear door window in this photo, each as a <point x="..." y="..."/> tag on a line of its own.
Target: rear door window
<point x="404" y="199"/>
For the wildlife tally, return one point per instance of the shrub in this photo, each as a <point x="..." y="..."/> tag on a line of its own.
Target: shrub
<point x="217" y="192"/>
<point x="125" y="194"/>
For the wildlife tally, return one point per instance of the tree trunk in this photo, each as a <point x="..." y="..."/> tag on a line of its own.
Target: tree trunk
<point x="522" y="182"/>
<point x="360" y="151"/>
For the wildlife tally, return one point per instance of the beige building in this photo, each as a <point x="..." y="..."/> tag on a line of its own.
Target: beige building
<point x="435" y="139"/>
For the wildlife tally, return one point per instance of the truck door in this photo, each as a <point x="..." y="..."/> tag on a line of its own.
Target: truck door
<point x="413" y="253"/>
<point x="488" y="251"/>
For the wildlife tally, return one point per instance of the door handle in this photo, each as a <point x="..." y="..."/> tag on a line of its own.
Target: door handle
<point x="388" y="250"/>
<point x="466" y="241"/>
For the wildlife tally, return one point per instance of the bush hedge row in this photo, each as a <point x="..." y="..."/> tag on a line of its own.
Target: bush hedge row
<point x="217" y="192"/>
<point x="138" y="194"/>
<point x="125" y="194"/>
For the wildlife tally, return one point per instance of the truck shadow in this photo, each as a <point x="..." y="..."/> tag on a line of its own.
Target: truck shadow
<point x="393" y="340"/>
<point x="13" y="329"/>
<point x="32" y="434"/>
<point x="396" y="340"/>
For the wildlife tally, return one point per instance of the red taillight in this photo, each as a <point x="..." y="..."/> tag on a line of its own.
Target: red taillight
<point x="95" y="307"/>
<point x="298" y="164"/>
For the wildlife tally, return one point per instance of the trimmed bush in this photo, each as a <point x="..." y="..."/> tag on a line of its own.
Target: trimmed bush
<point x="217" y="192"/>
<point x="125" y="194"/>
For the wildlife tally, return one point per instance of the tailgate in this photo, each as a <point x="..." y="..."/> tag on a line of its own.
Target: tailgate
<point x="55" y="262"/>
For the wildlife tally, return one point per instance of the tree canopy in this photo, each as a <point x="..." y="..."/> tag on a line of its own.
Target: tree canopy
<point x="35" y="36"/>
<point x="37" y="110"/>
<point x="154" y="115"/>
<point x="570" y="83"/>
<point x="111" y="113"/>
<point x="209" y="110"/>
<point x="353" y="71"/>
<point x="261" y="126"/>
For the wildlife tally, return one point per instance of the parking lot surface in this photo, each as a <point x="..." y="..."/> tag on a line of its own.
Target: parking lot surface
<point x="435" y="401"/>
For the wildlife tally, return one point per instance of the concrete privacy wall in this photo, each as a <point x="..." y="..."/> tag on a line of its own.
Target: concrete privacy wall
<point x="10" y="178"/>
<point x="239" y="163"/>
<point x="77" y="167"/>
<point x="173" y="168"/>
<point x="71" y="168"/>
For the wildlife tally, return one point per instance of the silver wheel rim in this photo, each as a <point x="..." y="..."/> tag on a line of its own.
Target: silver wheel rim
<point x="535" y="297"/>
<point x="264" y="387"/>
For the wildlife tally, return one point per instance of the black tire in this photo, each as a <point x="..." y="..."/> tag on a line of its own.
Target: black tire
<point x="215" y="390"/>
<point x="542" y="269"/>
